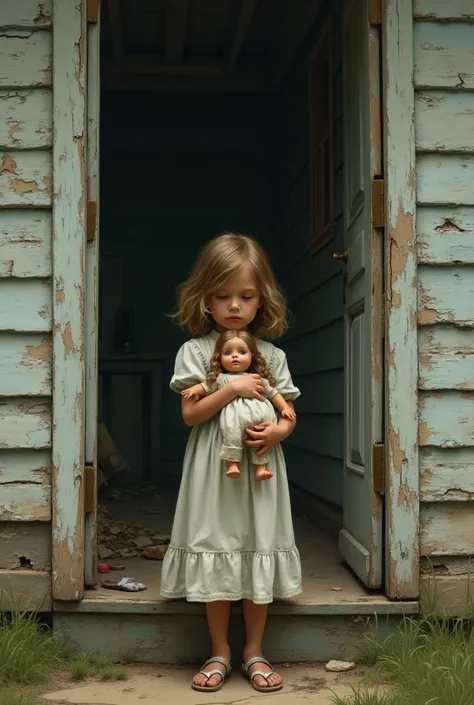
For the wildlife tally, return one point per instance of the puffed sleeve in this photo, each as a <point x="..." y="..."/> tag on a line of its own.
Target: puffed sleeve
<point x="284" y="383"/>
<point x="189" y="368"/>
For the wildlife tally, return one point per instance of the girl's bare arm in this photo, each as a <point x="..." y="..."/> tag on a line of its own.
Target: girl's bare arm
<point x="196" y="411"/>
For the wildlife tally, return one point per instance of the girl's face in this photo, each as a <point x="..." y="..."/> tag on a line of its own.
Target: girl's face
<point x="236" y="356"/>
<point x="235" y="304"/>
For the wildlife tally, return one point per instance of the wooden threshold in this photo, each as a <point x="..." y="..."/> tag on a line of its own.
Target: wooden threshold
<point x="369" y="607"/>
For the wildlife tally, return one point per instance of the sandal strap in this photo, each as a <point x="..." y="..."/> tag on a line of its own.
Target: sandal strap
<point x="261" y="673"/>
<point x="215" y="672"/>
<point x="254" y="660"/>
<point x="219" y="659"/>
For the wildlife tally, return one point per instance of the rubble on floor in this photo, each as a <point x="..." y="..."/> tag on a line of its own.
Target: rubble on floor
<point x="119" y="539"/>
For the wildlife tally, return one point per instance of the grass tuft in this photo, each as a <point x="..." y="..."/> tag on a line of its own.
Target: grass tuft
<point x="113" y="673"/>
<point x="29" y="653"/>
<point x="426" y="661"/>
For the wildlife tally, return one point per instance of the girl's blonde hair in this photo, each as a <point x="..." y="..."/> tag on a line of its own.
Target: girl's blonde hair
<point x="221" y="258"/>
<point x="258" y="366"/>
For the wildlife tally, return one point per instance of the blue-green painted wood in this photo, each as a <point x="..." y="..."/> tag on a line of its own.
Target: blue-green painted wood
<point x="458" y="10"/>
<point x="445" y="295"/>
<point x="443" y="55"/>
<point x="446" y="419"/>
<point x="26" y="119"/>
<point x="401" y="455"/>
<point x="26" y="14"/>
<point x="445" y="235"/>
<point x="444" y="179"/>
<point x="25" y="244"/>
<point x="185" y="639"/>
<point x="447" y="474"/>
<point x="25" y="303"/>
<point x="69" y="237"/>
<point x="435" y="114"/>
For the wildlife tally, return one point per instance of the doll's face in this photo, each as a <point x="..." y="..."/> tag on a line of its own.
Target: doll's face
<point x="236" y="356"/>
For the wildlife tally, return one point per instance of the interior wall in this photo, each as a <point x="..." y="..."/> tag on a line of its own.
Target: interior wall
<point x="313" y="283"/>
<point x="175" y="171"/>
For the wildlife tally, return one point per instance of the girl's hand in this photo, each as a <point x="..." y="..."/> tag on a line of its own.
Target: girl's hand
<point x="264" y="437"/>
<point x="288" y="413"/>
<point x="249" y="387"/>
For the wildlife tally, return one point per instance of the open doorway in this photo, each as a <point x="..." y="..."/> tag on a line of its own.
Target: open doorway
<point x="208" y="125"/>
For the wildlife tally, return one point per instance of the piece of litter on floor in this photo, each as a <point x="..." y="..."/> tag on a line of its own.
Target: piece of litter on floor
<point x="339" y="666"/>
<point x="337" y="589"/>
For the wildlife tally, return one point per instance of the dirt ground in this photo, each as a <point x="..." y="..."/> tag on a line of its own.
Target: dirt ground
<point x="304" y="685"/>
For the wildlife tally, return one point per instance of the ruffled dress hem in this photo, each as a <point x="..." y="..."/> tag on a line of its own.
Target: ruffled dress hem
<point x="249" y="575"/>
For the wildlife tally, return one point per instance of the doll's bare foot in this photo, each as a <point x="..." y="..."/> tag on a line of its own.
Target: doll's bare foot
<point x="233" y="470"/>
<point x="261" y="473"/>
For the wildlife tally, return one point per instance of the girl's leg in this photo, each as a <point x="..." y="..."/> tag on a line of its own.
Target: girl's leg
<point x="255" y="617"/>
<point x="218" y="615"/>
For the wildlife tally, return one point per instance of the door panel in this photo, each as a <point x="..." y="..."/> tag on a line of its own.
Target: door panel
<point x="92" y="293"/>
<point x="360" y="540"/>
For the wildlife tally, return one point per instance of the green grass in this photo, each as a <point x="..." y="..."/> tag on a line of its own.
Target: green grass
<point x="13" y="699"/>
<point x="80" y="669"/>
<point x="425" y="662"/>
<point x="28" y="652"/>
<point x="113" y="673"/>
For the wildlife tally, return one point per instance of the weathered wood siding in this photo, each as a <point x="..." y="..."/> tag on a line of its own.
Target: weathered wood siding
<point x="312" y="282"/>
<point x="444" y="128"/>
<point x="26" y="135"/>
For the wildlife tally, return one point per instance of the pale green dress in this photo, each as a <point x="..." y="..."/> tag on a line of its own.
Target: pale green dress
<point x="231" y="539"/>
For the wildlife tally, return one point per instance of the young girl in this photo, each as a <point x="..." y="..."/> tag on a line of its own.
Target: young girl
<point x="236" y="353"/>
<point x="231" y="540"/>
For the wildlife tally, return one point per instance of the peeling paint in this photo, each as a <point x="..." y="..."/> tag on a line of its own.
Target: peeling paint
<point x="20" y="187"/>
<point x="8" y="165"/>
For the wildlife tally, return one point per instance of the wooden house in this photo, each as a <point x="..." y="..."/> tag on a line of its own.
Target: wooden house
<point x="342" y="136"/>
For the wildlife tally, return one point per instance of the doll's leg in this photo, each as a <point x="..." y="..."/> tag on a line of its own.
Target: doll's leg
<point x="260" y="463"/>
<point x="232" y="442"/>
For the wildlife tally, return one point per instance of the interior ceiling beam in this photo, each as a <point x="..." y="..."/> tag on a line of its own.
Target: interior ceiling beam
<point x="116" y="30"/>
<point x="297" y="21"/>
<point x="245" y="17"/>
<point x="176" y="20"/>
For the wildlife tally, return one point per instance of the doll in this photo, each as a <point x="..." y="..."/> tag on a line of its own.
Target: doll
<point x="236" y="353"/>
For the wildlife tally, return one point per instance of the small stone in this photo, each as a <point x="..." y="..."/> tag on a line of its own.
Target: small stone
<point x="142" y="542"/>
<point x="104" y="552"/>
<point x="115" y="530"/>
<point x="339" y="666"/>
<point x="337" y="589"/>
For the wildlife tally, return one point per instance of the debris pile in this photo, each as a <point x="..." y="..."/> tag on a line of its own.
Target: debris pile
<point x="120" y="539"/>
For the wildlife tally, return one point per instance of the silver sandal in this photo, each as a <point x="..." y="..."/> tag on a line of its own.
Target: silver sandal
<point x="214" y="672"/>
<point x="261" y="689"/>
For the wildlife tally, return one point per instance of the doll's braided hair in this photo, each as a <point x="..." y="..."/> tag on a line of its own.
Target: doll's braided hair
<point x="258" y="366"/>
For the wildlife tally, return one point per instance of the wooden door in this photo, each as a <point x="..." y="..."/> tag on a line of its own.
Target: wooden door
<point x="360" y="539"/>
<point x="92" y="293"/>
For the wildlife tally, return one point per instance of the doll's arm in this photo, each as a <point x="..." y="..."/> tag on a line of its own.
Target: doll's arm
<point x="197" y="390"/>
<point x="285" y="409"/>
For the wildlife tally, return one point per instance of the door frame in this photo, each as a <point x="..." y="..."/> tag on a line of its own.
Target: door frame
<point x="402" y="554"/>
<point x="401" y="355"/>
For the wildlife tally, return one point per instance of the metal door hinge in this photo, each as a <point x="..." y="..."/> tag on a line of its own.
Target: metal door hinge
<point x="375" y="12"/>
<point x="90" y="488"/>
<point x="378" y="467"/>
<point x="93" y="10"/>
<point x="91" y="220"/>
<point x="378" y="210"/>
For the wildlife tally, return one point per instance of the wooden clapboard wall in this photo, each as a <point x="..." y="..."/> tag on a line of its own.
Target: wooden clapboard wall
<point x="26" y="171"/>
<point x="444" y="129"/>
